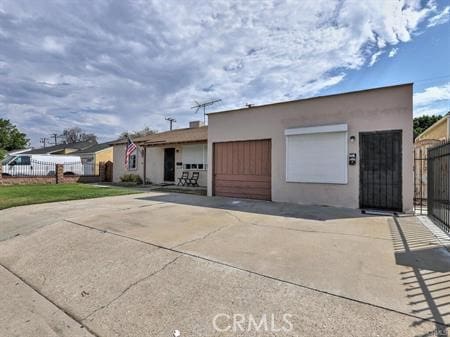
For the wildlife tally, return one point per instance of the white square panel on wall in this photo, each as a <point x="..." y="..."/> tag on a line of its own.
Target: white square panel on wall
<point x="317" y="154"/>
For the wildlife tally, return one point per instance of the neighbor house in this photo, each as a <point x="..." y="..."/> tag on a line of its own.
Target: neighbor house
<point x="434" y="135"/>
<point x="163" y="157"/>
<point x="439" y="131"/>
<point x="353" y="150"/>
<point x="92" y="156"/>
<point x="16" y="152"/>
<point x="63" y="148"/>
<point x="90" y="152"/>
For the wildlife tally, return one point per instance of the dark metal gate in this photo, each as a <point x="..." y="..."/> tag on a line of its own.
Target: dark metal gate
<point x="439" y="184"/>
<point x="380" y="176"/>
<point x="421" y="173"/>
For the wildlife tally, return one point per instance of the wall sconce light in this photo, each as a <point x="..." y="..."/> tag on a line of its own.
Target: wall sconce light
<point x="352" y="139"/>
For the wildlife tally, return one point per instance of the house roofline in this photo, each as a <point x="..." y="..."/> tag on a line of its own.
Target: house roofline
<point x="163" y="143"/>
<point x="142" y="141"/>
<point x="312" y="98"/>
<point x="95" y="152"/>
<point x="433" y="126"/>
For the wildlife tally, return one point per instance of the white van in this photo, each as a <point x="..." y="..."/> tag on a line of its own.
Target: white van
<point x="40" y="165"/>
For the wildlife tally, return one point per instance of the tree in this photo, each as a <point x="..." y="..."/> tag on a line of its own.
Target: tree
<point x="422" y="123"/>
<point x="144" y="132"/>
<point x="11" y="138"/>
<point x="75" y="135"/>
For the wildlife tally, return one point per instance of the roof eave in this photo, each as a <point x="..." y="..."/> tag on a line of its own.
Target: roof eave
<point x="432" y="127"/>
<point x="164" y="143"/>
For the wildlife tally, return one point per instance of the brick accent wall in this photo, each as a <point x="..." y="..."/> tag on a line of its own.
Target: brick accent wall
<point x="27" y="180"/>
<point x="59" y="173"/>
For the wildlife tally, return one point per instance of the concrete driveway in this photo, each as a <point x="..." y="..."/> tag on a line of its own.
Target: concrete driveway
<point x="147" y="264"/>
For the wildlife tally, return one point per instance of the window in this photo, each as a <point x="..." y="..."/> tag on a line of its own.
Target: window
<point x="194" y="157"/>
<point x="22" y="160"/>
<point x="132" y="161"/>
<point x="317" y="154"/>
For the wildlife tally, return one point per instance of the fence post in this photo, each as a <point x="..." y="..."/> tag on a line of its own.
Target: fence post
<point x="109" y="171"/>
<point x="1" y="175"/>
<point x="101" y="171"/>
<point x="59" y="173"/>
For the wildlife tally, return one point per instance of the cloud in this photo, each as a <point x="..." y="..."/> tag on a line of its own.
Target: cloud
<point x="432" y="100"/>
<point x="112" y="66"/>
<point x="429" y="111"/>
<point x="432" y="94"/>
<point x="393" y="52"/>
<point x="375" y="57"/>
<point x="440" y="18"/>
<point x="51" y="45"/>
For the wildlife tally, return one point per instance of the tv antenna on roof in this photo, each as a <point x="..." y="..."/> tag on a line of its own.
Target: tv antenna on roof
<point x="198" y="106"/>
<point x="171" y="121"/>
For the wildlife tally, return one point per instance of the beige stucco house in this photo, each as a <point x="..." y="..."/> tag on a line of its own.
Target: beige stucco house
<point x="92" y="156"/>
<point x="163" y="157"/>
<point x="434" y="135"/>
<point x="439" y="131"/>
<point x="352" y="150"/>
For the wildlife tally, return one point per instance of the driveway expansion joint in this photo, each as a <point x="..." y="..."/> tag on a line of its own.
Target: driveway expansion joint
<point x="273" y="278"/>
<point x="73" y="316"/>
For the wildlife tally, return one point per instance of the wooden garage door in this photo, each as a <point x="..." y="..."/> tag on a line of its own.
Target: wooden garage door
<point x="243" y="169"/>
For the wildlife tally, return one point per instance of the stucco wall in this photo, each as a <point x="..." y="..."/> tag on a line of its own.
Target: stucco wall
<point x="380" y="109"/>
<point x="155" y="164"/>
<point x="104" y="155"/>
<point x="100" y="156"/>
<point x="440" y="132"/>
<point x="119" y="168"/>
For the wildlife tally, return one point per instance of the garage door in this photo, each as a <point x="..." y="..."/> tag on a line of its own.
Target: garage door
<point x="243" y="169"/>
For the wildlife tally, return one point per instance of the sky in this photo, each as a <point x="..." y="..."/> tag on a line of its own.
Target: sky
<point x="114" y="66"/>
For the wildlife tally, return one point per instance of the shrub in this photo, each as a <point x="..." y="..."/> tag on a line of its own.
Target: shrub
<point x="131" y="178"/>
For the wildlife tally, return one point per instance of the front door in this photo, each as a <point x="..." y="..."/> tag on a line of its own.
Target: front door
<point x="380" y="172"/>
<point x="169" y="164"/>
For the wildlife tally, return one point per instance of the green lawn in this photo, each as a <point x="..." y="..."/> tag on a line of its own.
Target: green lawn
<point x="18" y="195"/>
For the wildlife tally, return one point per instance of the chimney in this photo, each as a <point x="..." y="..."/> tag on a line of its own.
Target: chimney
<point x="195" y="124"/>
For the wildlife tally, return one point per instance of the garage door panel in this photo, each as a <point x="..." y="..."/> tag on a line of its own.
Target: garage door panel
<point x="241" y="177"/>
<point x="243" y="184"/>
<point x="243" y="169"/>
<point x="242" y="194"/>
<point x="243" y="189"/>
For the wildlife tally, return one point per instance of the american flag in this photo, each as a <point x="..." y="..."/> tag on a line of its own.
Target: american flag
<point x="131" y="147"/>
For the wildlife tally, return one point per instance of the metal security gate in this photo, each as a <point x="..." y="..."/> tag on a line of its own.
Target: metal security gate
<point x="380" y="176"/>
<point x="439" y="184"/>
<point x="421" y="173"/>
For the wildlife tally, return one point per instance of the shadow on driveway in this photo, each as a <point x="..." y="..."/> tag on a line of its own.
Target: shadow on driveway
<point x="427" y="283"/>
<point x="310" y="212"/>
